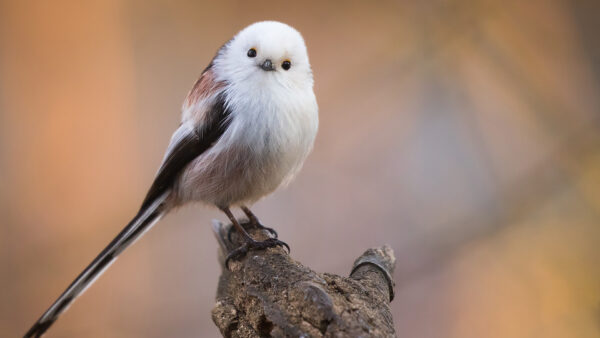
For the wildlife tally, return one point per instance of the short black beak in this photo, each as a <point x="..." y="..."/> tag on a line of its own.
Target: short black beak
<point x="267" y="65"/>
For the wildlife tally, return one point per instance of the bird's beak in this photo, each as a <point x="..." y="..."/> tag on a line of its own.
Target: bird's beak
<point x="267" y="66"/>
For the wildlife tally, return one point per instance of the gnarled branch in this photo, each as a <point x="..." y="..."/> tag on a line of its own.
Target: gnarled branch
<point x="267" y="293"/>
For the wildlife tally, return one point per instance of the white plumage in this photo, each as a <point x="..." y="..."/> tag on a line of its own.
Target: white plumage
<point x="274" y="119"/>
<point x="247" y="126"/>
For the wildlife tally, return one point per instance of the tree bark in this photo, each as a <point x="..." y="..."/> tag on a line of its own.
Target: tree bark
<point x="268" y="294"/>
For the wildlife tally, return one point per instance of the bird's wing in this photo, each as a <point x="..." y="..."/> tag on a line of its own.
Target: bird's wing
<point x="188" y="142"/>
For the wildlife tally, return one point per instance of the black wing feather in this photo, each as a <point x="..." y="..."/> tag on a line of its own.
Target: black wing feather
<point x="191" y="146"/>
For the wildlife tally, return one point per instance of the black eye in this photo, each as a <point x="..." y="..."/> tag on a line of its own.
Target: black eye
<point x="251" y="53"/>
<point x="286" y="65"/>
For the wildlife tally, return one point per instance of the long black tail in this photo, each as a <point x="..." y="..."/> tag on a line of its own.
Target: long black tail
<point x="141" y="223"/>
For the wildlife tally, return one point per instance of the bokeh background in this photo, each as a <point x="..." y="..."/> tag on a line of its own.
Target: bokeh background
<point x="466" y="134"/>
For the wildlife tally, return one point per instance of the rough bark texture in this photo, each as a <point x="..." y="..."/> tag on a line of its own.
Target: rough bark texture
<point x="268" y="294"/>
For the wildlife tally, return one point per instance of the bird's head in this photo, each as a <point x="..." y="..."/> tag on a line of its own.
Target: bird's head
<point x="264" y="54"/>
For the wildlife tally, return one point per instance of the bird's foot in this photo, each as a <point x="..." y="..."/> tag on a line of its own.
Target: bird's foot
<point x="254" y="224"/>
<point x="257" y="225"/>
<point x="254" y="245"/>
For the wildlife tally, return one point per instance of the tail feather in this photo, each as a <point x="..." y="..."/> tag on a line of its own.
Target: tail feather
<point x="141" y="223"/>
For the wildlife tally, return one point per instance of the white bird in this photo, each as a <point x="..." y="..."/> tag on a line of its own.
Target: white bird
<point x="247" y="126"/>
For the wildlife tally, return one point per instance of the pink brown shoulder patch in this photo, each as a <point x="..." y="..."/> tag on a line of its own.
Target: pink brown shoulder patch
<point x="206" y="86"/>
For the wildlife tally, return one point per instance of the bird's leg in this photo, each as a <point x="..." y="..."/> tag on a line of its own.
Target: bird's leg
<point x="255" y="222"/>
<point x="250" y="243"/>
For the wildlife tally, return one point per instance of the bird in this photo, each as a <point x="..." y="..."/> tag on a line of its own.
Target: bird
<point x="247" y="126"/>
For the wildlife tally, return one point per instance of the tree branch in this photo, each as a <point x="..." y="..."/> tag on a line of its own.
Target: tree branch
<point x="267" y="293"/>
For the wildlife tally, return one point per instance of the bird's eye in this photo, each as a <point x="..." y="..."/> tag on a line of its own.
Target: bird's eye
<point x="286" y="64"/>
<point x="251" y="53"/>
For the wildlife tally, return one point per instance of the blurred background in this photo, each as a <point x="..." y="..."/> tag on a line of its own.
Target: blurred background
<point x="466" y="134"/>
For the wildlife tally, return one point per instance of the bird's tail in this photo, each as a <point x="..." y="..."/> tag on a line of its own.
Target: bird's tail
<point x="141" y="223"/>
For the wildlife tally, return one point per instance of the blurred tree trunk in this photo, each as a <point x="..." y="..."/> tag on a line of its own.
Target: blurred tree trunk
<point x="269" y="294"/>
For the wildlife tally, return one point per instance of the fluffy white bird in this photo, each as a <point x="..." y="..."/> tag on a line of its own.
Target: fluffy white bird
<point x="247" y="126"/>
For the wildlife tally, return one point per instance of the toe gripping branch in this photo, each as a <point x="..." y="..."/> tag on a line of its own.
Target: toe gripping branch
<point x="235" y="247"/>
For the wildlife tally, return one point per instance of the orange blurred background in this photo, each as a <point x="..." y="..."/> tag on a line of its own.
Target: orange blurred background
<point x="465" y="134"/>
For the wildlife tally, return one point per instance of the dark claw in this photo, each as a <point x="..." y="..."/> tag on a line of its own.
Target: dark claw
<point x="229" y="231"/>
<point x="256" y="225"/>
<point x="254" y="245"/>
<point x="236" y="254"/>
<point x="270" y="230"/>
